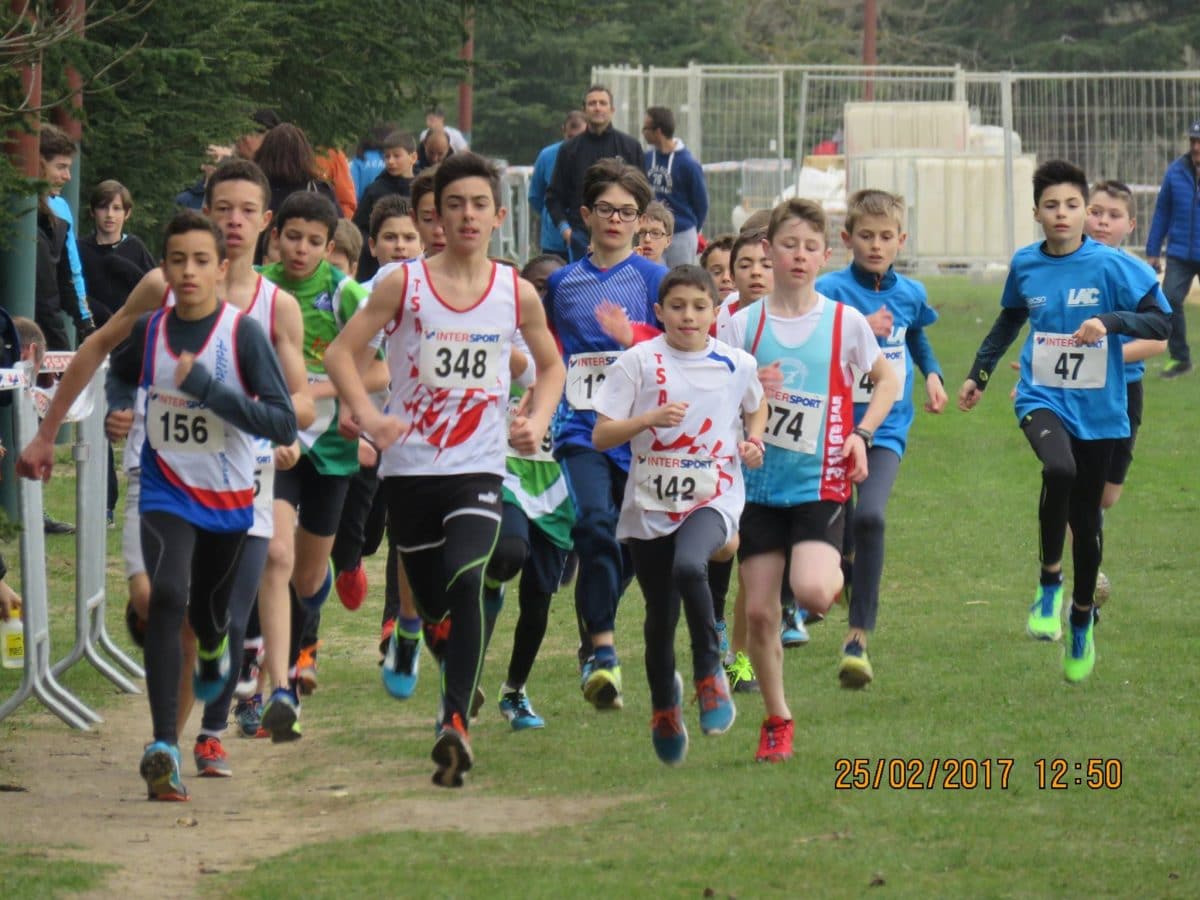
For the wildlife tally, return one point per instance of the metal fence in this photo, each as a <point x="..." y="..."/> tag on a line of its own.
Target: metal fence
<point x="744" y="121"/>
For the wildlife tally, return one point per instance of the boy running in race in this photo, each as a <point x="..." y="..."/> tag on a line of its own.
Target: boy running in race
<point x="794" y="503"/>
<point x="898" y="312"/>
<point x="450" y="322"/>
<point x="211" y="382"/>
<point x="679" y="400"/>
<point x="1071" y="400"/>
<point x="615" y="196"/>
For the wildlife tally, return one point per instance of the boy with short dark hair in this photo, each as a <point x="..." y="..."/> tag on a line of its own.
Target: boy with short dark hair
<point x="1071" y="397"/>
<point x="309" y="495"/>
<point x="898" y="311"/>
<point x="715" y="261"/>
<point x="57" y="151"/>
<point x="399" y="158"/>
<point x="450" y="323"/>
<point x="211" y="382"/>
<point x="615" y="196"/>
<point x="655" y="231"/>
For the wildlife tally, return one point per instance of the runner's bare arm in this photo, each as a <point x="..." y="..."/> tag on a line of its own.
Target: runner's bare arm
<point x="37" y="459"/>
<point x="341" y="359"/>
<point x="289" y="337"/>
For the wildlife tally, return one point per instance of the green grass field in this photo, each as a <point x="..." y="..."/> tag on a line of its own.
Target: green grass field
<point x="956" y="679"/>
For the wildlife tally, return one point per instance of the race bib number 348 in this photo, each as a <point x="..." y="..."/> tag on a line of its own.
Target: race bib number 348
<point x="181" y="423"/>
<point x="1059" y="362"/>
<point x="460" y="360"/>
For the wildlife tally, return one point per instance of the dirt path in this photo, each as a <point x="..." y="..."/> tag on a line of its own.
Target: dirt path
<point x="84" y="801"/>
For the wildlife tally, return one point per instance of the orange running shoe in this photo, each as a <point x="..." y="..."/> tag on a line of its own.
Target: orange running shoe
<point x="452" y="753"/>
<point x="306" y="668"/>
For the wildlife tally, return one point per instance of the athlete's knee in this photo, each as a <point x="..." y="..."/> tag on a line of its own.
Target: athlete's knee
<point x="507" y="559"/>
<point x="816" y="591"/>
<point x="1059" y="471"/>
<point x="281" y="553"/>
<point x="867" y="523"/>
<point x="689" y="570"/>
<point x="595" y="530"/>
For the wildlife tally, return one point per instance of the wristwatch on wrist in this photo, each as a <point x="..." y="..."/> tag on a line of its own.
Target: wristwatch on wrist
<point x="867" y="435"/>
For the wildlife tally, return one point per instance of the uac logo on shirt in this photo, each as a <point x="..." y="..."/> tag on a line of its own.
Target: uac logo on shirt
<point x="323" y="301"/>
<point x="1083" y="297"/>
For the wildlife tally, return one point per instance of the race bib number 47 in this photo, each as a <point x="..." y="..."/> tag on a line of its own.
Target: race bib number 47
<point x="460" y="359"/>
<point x="896" y="357"/>
<point x="183" y="424"/>
<point x="1059" y="362"/>
<point x="673" y="482"/>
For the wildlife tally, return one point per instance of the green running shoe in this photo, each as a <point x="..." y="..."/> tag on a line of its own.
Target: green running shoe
<point x="1080" y="658"/>
<point x="741" y="674"/>
<point x="1045" y="615"/>
<point x="855" y="670"/>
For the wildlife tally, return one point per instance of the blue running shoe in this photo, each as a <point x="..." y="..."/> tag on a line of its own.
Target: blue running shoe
<point x="1080" y="659"/>
<point x="160" y="768"/>
<point x="1045" y="614"/>
<point x="401" y="664"/>
<point x="248" y="715"/>
<point x="791" y="632"/>
<point x="515" y="707"/>
<point x="211" y="672"/>
<point x="717" y="711"/>
<point x="722" y="638"/>
<point x="281" y="716"/>
<point x="667" y="731"/>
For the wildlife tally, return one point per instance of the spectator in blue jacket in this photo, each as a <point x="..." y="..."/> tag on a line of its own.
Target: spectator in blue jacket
<point x="543" y="167"/>
<point x="1177" y="220"/>
<point x="677" y="181"/>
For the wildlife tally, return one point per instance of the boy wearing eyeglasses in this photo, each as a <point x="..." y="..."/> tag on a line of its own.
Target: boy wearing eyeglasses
<point x="654" y="232"/>
<point x="615" y="196"/>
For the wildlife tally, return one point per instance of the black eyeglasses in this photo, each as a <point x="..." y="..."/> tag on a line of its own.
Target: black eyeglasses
<point x="606" y="210"/>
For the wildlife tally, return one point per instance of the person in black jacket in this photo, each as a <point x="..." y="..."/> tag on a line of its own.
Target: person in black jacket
<point x="601" y="140"/>
<point x="399" y="158"/>
<point x="113" y="261"/>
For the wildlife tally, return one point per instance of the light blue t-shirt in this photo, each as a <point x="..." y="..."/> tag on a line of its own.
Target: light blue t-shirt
<point x="60" y="207"/>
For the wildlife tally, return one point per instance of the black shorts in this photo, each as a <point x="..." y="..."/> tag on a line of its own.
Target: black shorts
<point x="1122" y="455"/>
<point x="419" y="505"/>
<point x="319" y="498"/>
<point x="770" y="529"/>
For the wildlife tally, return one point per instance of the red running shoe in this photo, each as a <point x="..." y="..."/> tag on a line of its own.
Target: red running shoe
<point x="775" y="740"/>
<point x="351" y="587"/>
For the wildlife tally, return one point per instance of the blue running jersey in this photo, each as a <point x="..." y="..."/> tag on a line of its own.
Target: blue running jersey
<point x="572" y="295"/>
<point x="1083" y="385"/>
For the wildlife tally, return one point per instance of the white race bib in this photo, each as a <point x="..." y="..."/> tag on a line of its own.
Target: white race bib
<point x="325" y="408"/>
<point x="542" y="453"/>
<point x="1061" y="363"/>
<point x="180" y="423"/>
<point x="585" y="374"/>
<point x="264" y="469"/>
<point x="460" y="359"/>
<point x="673" y="482"/>
<point x="897" y="358"/>
<point x="794" y="420"/>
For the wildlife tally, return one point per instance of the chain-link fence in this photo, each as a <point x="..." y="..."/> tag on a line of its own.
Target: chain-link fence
<point x="754" y="127"/>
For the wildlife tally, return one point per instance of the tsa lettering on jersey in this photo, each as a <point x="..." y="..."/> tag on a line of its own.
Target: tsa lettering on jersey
<point x="833" y="474"/>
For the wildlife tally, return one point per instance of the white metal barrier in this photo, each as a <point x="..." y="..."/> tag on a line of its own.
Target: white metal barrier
<point x="39" y="678"/>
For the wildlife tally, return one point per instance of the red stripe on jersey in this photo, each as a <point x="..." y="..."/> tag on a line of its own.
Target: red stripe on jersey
<point x="212" y="499"/>
<point x="839" y="420"/>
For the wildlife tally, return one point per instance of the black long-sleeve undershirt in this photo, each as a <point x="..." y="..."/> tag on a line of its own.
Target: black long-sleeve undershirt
<point x="1148" y="322"/>
<point x="264" y="410"/>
